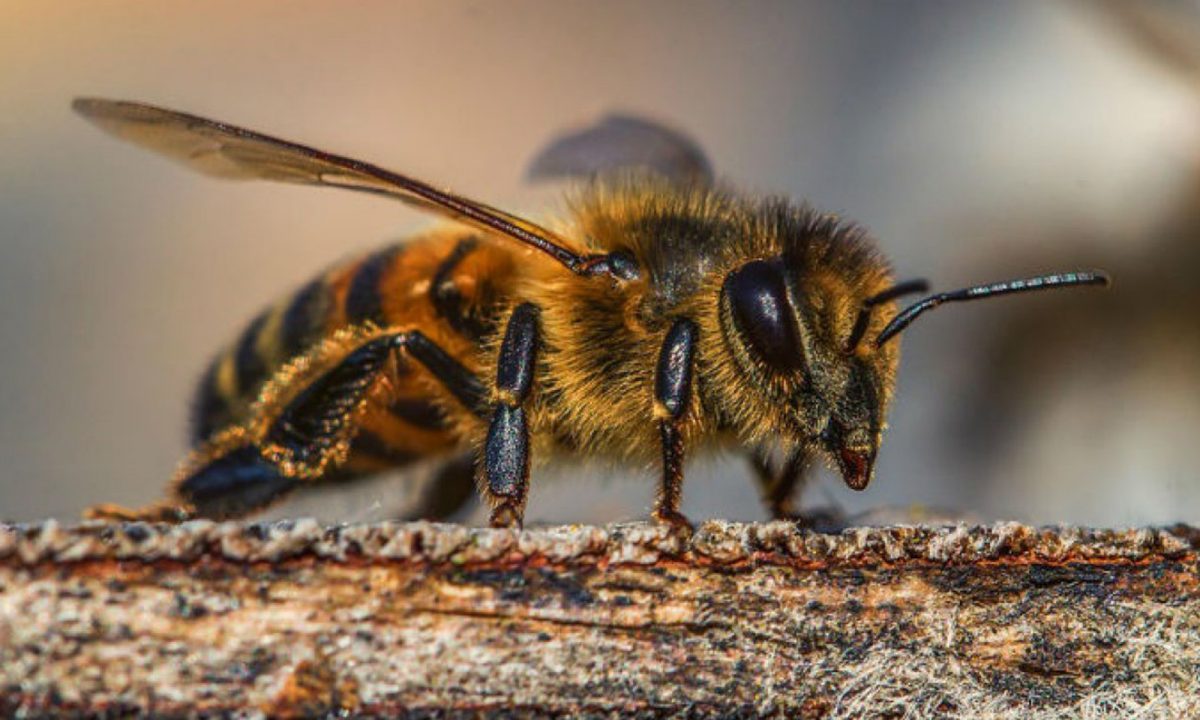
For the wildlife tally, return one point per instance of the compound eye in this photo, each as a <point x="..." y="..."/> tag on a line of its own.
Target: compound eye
<point x="763" y="314"/>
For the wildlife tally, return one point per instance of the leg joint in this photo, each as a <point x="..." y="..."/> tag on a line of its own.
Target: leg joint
<point x="463" y="384"/>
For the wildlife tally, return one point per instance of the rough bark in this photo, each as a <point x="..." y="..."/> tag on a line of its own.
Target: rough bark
<point x="437" y="620"/>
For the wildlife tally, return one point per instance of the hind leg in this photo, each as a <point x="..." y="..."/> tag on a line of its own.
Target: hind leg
<point x="450" y="490"/>
<point x="241" y="471"/>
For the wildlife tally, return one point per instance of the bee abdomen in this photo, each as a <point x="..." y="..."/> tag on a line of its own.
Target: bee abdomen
<point x="229" y="384"/>
<point x="303" y="321"/>
<point x="381" y="288"/>
<point x="364" y="299"/>
<point x="248" y="361"/>
<point x="419" y="413"/>
<point x="276" y="335"/>
<point x="210" y="409"/>
<point x="234" y="376"/>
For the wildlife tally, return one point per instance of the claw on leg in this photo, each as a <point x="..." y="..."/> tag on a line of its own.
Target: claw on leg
<point x="159" y="512"/>
<point x="677" y="521"/>
<point x="506" y="515"/>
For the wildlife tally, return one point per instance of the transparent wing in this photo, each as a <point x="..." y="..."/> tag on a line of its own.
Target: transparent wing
<point x="227" y="151"/>
<point x="623" y="142"/>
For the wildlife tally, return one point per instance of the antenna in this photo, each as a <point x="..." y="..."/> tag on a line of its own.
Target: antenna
<point x="864" y="314"/>
<point x="978" y="292"/>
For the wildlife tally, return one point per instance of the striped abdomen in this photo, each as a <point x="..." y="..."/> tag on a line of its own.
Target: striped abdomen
<point x="447" y="284"/>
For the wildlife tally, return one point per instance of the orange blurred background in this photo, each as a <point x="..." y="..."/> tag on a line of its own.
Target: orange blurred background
<point x="976" y="140"/>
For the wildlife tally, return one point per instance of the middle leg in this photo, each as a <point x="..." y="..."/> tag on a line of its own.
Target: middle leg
<point x="672" y="398"/>
<point x="506" y="450"/>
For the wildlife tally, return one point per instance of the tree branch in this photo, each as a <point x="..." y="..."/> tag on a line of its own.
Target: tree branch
<point x="294" y="619"/>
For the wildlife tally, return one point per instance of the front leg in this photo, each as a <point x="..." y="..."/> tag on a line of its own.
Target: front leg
<point x="780" y="486"/>
<point x="506" y="452"/>
<point x="672" y="398"/>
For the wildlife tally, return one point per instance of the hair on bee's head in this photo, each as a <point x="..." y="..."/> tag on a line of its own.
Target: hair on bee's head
<point x="976" y="292"/>
<point x="864" y="314"/>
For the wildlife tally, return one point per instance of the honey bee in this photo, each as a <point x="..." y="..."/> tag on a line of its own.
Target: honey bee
<point x="663" y="314"/>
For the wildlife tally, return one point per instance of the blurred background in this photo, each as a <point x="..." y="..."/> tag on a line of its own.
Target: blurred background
<point x="976" y="140"/>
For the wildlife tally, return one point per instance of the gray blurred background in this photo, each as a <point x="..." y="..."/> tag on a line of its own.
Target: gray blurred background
<point x="976" y="140"/>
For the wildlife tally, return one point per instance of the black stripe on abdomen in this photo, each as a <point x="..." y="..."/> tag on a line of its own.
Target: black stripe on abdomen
<point x="251" y="367"/>
<point x="210" y="412"/>
<point x="364" y="301"/>
<point x="304" y="318"/>
<point x="447" y="299"/>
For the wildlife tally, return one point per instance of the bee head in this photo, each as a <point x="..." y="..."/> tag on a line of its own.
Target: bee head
<point x="813" y="351"/>
<point x="790" y="333"/>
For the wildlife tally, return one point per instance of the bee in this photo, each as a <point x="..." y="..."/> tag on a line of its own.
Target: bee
<point x="663" y="314"/>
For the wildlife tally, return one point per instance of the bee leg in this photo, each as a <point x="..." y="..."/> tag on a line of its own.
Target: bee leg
<point x="238" y="481"/>
<point x="164" y="511"/>
<point x="780" y="486"/>
<point x="313" y="431"/>
<point x="234" y="480"/>
<point x="672" y="397"/>
<point x="449" y="491"/>
<point x="506" y="451"/>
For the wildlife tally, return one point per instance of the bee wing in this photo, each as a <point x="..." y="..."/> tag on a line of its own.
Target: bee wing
<point x="622" y="142"/>
<point x="227" y="151"/>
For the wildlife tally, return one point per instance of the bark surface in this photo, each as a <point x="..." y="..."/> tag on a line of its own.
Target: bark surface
<point x="297" y="619"/>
